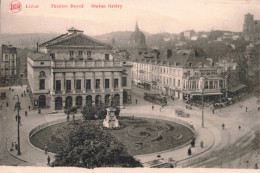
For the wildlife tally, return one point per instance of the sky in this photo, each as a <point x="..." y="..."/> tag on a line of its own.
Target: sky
<point x="153" y="16"/>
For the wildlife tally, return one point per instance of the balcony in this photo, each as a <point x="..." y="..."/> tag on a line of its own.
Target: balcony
<point x="86" y="63"/>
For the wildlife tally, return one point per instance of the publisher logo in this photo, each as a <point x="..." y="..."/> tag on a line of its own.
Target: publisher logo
<point x="15" y="6"/>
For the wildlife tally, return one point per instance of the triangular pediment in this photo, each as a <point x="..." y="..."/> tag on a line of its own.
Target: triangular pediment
<point x="80" y="40"/>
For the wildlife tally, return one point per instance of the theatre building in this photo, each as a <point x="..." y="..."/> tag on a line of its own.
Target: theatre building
<point x="74" y="69"/>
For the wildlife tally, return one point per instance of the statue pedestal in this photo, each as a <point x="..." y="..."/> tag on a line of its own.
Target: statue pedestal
<point x="110" y="121"/>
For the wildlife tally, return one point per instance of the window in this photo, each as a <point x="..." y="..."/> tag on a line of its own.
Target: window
<point x="106" y="83"/>
<point x="52" y="56"/>
<point x="6" y="57"/>
<point x="88" y="84"/>
<point x="12" y="63"/>
<point x="97" y="83"/>
<point x="71" y="53"/>
<point x="42" y="63"/>
<point x="221" y="84"/>
<point x="211" y="84"/>
<point x="116" y="83"/>
<point x="80" y="53"/>
<point x="88" y="54"/>
<point x="124" y="81"/>
<point x="6" y="64"/>
<point x="78" y="84"/>
<point x="106" y="56"/>
<point x="68" y="85"/>
<point x="206" y="85"/>
<point x="42" y="84"/>
<point x="12" y="57"/>
<point x="58" y="85"/>
<point x="179" y="83"/>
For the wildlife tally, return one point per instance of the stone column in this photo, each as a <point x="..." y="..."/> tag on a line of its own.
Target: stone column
<point x="83" y="101"/>
<point x="83" y="87"/>
<point x="73" y="85"/>
<point x="93" y="81"/>
<point x="52" y="103"/>
<point x="112" y="81"/>
<point x="73" y="101"/>
<point x="102" y="87"/>
<point x="121" y="100"/>
<point x="63" y="84"/>
<point x="120" y="81"/>
<point x="54" y="82"/>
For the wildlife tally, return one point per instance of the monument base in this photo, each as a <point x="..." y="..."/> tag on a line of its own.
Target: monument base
<point x="111" y="121"/>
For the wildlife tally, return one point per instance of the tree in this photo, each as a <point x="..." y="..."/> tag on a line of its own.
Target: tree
<point x="90" y="146"/>
<point x="90" y="112"/>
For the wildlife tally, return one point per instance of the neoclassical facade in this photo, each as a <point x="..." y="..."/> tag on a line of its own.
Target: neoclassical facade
<point x="75" y="70"/>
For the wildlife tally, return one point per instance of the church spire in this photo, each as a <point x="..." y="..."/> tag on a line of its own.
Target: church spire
<point x="136" y="26"/>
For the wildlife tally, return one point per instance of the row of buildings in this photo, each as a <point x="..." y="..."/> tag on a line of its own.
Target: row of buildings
<point x="74" y="69"/>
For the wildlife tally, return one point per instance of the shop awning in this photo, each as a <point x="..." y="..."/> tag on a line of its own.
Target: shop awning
<point x="206" y="94"/>
<point x="238" y="87"/>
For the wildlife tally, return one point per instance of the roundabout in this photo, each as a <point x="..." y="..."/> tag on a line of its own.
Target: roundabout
<point x="139" y="135"/>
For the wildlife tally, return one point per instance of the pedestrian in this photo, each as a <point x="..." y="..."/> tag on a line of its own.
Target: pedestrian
<point x="68" y="118"/>
<point x="16" y="146"/>
<point x="256" y="166"/>
<point x="246" y="109"/>
<point x="25" y="113"/>
<point x="136" y="101"/>
<point x="73" y="117"/>
<point x="189" y="151"/>
<point x="192" y="143"/>
<point x="239" y="127"/>
<point x="152" y="107"/>
<point x="24" y="95"/>
<point x="48" y="160"/>
<point x="223" y="126"/>
<point x="6" y="104"/>
<point x="45" y="149"/>
<point x="212" y="110"/>
<point x="16" y="117"/>
<point x="29" y="107"/>
<point x="39" y="111"/>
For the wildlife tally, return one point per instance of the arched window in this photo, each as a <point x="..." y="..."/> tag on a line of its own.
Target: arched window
<point x="89" y="100"/>
<point x="79" y="101"/>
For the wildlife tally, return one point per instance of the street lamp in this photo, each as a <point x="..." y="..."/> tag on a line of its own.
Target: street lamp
<point x="18" y="124"/>
<point x="202" y="97"/>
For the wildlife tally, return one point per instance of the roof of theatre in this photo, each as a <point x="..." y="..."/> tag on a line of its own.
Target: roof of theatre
<point x="75" y="39"/>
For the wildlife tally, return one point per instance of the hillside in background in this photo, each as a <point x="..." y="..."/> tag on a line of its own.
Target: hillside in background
<point x="120" y="39"/>
<point x="26" y="40"/>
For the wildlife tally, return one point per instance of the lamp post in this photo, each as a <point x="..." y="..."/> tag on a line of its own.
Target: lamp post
<point x="202" y="100"/>
<point x="18" y="125"/>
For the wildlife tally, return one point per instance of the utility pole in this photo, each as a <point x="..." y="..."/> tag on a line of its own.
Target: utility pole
<point x="18" y="125"/>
